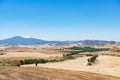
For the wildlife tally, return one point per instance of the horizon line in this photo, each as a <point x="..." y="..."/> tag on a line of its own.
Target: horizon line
<point x="59" y="40"/>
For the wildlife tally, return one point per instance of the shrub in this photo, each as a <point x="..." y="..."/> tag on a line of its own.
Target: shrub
<point x="89" y="63"/>
<point x="2" y="53"/>
<point x="67" y="56"/>
<point x="29" y="61"/>
<point x="5" y="63"/>
<point x="89" y="60"/>
<point x="53" y="60"/>
<point x="41" y="61"/>
<point x="92" y="59"/>
<point x="22" y="62"/>
<point x="16" y="63"/>
<point x="89" y="54"/>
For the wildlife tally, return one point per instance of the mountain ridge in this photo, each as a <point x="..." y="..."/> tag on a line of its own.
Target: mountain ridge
<point x="18" y="40"/>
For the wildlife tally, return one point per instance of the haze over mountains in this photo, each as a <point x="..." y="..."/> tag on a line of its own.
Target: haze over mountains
<point x="18" y="40"/>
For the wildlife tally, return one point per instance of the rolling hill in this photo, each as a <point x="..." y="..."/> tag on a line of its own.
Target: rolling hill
<point x="17" y="40"/>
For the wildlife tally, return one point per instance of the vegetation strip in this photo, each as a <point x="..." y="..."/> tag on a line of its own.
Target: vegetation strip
<point x="65" y="57"/>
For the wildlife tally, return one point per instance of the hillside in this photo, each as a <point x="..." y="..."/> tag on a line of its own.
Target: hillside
<point x="17" y="40"/>
<point x="15" y="73"/>
<point x="107" y="65"/>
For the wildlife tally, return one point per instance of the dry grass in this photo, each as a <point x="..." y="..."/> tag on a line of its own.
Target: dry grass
<point x="35" y="73"/>
<point x="108" y="65"/>
<point x="27" y="55"/>
<point x="15" y="53"/>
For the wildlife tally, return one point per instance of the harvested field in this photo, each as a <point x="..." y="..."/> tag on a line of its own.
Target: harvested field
<point x="38" y="73"/>
<point x="27" y="55"/>
<point x="108" y="65"/>
<point x="16" y="53"/>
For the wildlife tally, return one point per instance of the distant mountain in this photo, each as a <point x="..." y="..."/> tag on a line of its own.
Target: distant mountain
<point x="97" y="42"/>
<point x="17" y="40"/>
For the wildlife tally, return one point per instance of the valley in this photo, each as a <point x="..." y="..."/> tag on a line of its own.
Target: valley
<point x="68" y="60"/>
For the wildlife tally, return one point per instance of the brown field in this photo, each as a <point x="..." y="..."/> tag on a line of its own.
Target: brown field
<point x="27" y="55"/>
<point x="38" y="73"/>
<point x="16" y="53"/>
<point x="30" y="49"/>
<point x="107" y="65"/>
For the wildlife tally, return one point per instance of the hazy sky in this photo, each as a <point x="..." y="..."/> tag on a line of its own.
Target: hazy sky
<point x="60" y="19"/>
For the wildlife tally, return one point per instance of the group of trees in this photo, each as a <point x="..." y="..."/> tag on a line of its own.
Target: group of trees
<point x="35" y="61"/>
<point x="27" y="61"/>
<point x="77" y="50"/>
<point x="92" y="60"/>
<point x="88" y="49"/>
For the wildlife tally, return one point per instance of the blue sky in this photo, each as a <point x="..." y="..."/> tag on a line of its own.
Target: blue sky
<point x="60" y="19"/>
